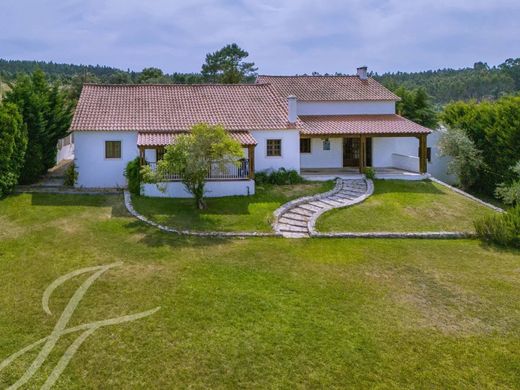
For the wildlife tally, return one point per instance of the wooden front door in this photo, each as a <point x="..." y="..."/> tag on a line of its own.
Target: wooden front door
<point x="351" y="152"/>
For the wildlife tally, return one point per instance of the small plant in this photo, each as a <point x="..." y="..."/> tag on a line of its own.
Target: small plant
<point x="133" y="176"/>
<point x="370" y="173"/>
<point x="502" y="229"/>
<point x="510" y="192"/>
<point x="71" y="175"/>
<point x="279" y="177"/>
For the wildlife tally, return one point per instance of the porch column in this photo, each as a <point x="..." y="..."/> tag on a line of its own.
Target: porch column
<point x="362" y="153"/>
<point x="141" y="154"/>
<point x="423" y="165"/>
<point x="251" y="157"/>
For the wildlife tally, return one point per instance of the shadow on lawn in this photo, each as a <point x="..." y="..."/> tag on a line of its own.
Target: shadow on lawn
<point x="403" y="186"/>
<point x="115" y="202"/>
<point x="156" y="238"/>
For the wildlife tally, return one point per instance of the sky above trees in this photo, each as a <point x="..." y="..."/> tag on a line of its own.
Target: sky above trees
<point x="281" y="36"/>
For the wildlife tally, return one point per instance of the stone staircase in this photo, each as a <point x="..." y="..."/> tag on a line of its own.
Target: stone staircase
<point x="296" y="219"/>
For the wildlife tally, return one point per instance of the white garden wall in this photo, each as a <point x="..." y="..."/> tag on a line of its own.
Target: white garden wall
<point x="345" y="108"/>
<point x="290" y="158"/>
<point x="214" y="189"/>
<point x="94" y="170"/>
<point x="319" y="158"/>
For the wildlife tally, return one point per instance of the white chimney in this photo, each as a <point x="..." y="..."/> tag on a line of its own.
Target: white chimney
<point x="362" y="73"/>
<point x="291" y="105"/>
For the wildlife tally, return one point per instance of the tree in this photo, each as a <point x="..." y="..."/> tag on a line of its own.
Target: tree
<point x="416" y="106"/>
<point x="151" y="76"/>
<point x="466" y="160"/>
<point x="227" y="66"/>
<point x="193" y="155"/>
<point x="510" y="192"/>
<point x="46" y="114"/>
<point x="13" y="144"/>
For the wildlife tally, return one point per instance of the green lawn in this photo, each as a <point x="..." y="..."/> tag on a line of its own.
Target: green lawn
<point x="236" y="213"/>
<point x="254" y="313"/>
<point x="405" y="206"/>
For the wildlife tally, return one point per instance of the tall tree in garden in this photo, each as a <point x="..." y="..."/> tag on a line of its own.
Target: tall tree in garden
<point x="13" y="144"/>
<point x="46" y="114"/>
<point x="416" y="106"/>
<point x="227" y="66"/>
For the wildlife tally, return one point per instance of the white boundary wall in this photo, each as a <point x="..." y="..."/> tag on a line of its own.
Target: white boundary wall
<point x="214" y="189"/>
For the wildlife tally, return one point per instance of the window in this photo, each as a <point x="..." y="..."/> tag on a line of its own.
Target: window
<point x="326" y="144"/>
<point x="305" y="145"/>
<point x="274" y="147"/>
<point x="112" y="149"/>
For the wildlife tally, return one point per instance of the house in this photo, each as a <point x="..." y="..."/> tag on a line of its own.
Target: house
<point x="320" y="126"/>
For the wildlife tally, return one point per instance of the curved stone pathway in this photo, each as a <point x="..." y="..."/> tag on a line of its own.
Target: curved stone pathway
<point x="296" y="219"/>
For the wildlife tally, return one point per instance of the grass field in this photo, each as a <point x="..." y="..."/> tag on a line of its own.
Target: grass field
<point x="263" y="312"/>
<point x="238" y="213"/>
<point x="398" y="205"/>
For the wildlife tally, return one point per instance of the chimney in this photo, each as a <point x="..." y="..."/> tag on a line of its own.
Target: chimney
<point x="362" y="73"/>
<point x="291" y="105"/>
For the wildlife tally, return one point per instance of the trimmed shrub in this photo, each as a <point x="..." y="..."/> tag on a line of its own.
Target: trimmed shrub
<point x="280" y="177"/>
<point x="71" y="175"/>
<point x="502" y="229"/>
<point x="370" y="173"/>
<point x="134" y="177"/>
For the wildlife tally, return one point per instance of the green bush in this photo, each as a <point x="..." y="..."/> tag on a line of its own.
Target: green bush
<point x="134" y="177"/>
<point x="502" y="229"/>
<point x="370" y="173"/>
<point x="71" y="175"/>
<point x="280" y="177"/>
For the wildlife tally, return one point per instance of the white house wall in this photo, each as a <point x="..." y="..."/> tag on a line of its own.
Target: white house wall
<point x="319" y="158"/>
<point x="94" y="170"/>
<point x="290" y="158"/>
<point x="392" y="152"/>
<point x="438" y="167"/>
<point x="346" y="108"/>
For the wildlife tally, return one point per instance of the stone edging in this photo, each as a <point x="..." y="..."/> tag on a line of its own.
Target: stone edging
<point x="469" y="196"/>
<point x="131" y="210"/>
<point x="425" y="235"/>
<point x="296" y="202"/>
<point x="312" y="221"/>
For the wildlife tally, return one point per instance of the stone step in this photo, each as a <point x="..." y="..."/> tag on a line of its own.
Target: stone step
<point x="294" y="235"/>
<point x="307" y="206"/>
<point x="292" y="222"/>
<point x="341" y="198"/>
<point x="283" y="227"/>
<point x="296" y="217"/>
<point x="331" y="202"/>
<point x="301" y="211"/>
<point x="319" y="204"/>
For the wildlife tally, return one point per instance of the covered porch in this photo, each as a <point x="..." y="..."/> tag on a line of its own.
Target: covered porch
<point x="344" y="145"/>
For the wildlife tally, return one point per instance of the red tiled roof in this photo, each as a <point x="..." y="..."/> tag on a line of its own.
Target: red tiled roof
<point x="360" y="124"/>
<point x="328" y="88"/>
<point x="173" y="107"/>
<point x="161" y="139"/>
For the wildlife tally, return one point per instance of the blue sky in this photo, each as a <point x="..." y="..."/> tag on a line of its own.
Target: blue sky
<point x="282" y="36"/>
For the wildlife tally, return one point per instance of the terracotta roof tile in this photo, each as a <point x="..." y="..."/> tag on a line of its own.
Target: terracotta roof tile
<point x="360" y="124"/>
<point x="173" y="107"/>
<point x="160" y="139"/>
<point x="328" y="88"/>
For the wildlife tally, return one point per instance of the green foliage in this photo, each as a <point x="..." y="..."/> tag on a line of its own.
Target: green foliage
<point x="494" y="128"/>
<point x="71" y="175"/>
<point x="447" y="85"/>
<point x="510" y="192"/>
<point x="281" y="176"/>
<point x="227" y="66"/>
<point x="193" y="154"/>
<point x="502" y="229"/>
<point x="133" y="176"/>
<point x="370" y="173"/>
<point x="466" y="160"/>
<point x="151" y="76"/>
<point x="416" y="105"/>
<point x="13" y="144"/>
<point x="46" y="115"/>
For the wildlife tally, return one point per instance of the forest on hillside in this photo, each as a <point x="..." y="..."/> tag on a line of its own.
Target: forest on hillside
<point x="480" y="82"/>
